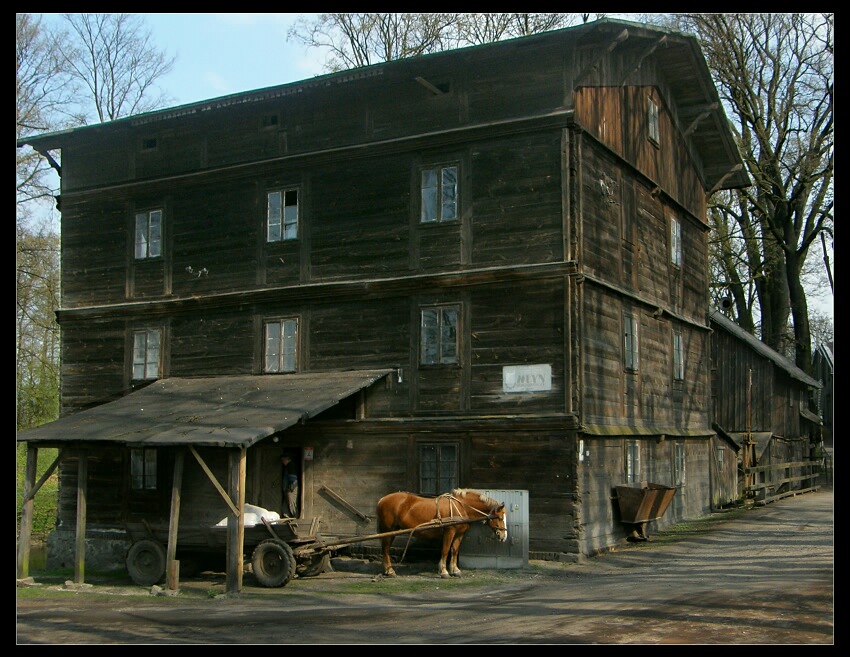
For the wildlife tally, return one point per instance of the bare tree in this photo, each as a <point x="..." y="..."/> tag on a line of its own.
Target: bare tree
<point x="775" y="74"/>
<point x="112" y="56"/>
<point x="354" y="40"/>
<point x="42" y="96"/>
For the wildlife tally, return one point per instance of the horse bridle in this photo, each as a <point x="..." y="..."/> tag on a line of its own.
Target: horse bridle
<point x="452" y="499"/>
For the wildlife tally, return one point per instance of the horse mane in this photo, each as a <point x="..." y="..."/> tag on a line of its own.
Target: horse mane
<point x="463" y="492"/>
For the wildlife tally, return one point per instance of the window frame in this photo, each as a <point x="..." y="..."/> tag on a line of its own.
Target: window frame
<point x="143" y="469"/>
<point x="438" y="195"/>
<point x="283" y="351"/>
<point x="143" y="235"/>
<point x="652" y="121"/>
<point x="675" y="242"/>
<point x="442" y="482"/>
<point x="678" y="356"/>
<point x="287" y="229"/>
<point x="146" y="361"/>
<point x="632" y="461"/>
<point x="631" y="342"/>
<point x="679" y="463"/>
<point x="442" y="356"/>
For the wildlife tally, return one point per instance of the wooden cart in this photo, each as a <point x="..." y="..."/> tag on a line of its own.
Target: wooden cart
<point x="278" y="550"/>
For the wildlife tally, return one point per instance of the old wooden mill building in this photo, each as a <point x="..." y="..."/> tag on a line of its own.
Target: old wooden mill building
<point x="483" y="268"/>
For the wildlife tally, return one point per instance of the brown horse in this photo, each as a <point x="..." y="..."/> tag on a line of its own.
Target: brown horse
<point x="398" y="511"/>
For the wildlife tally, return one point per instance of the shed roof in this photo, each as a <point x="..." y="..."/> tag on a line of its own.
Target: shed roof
<point x="760" y="347"/>
<point x="229" y="411"/>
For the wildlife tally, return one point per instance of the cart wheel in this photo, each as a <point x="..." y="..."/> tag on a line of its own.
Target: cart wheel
<point x="316" y="565"/>
<point x="146" y="562"/>
<point x="273" y="563"/>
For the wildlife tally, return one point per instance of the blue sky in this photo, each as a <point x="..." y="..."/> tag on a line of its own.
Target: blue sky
<point x="221" y="54"/>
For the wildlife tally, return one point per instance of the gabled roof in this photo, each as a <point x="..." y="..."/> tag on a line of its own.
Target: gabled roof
<point x="227" y="411"/>
<point x="761" y="348"/>
<point x="678" y="55"/>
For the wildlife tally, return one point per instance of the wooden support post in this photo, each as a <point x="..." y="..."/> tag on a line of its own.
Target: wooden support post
<point x="25" y="536"/>
<point x="82" y="491"/>
<point x="172" y="567"/>
<point x="236" y="523"/>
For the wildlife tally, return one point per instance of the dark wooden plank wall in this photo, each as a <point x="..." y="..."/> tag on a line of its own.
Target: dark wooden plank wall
<point x="617" y="118"/>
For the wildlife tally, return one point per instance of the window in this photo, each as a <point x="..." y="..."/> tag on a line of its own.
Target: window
<point x="630" y="343"/>
<point x="146" y="354"/>
<point x="438" y="337"/>
<point x="148" y="234"/>
<point x="721" y="456"/>
<point x="675" y="242"/>
<point x="143" y="469"/>
<point x="678" y="357"/>
<point x="281" y="339"/>
<point x="438" y="468"/>
<point x="679" y="464"/>
<point x="652" y="120"/>
<point x="439" y="194"/>
<point x="632" y="462"/>
<point x="282" y="215"/>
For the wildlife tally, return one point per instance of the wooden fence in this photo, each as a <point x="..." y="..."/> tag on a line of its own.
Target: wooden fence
<point x="775" y="481"/>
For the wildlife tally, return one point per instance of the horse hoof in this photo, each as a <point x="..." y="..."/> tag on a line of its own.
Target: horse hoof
<point x="445" y="576"/>
<point x="457" y="574"/>
<point x="390" y="573"/>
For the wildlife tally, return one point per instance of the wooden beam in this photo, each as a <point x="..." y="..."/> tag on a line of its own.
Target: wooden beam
<point x="336" y="498"/>
<point x="172" y="570"/>
<point x="734" y="169"/>
<point x="622" y="36"/>
<point x="646" y="53"/>
<point x="703" y="115"/>
<point x="25" y="537"/>
<point x="236" y="525"/>
<point x="430" y="87"/>
<point x="214" y="481"/>
<point x="82" y="492"/>
<point x="31" y="494"/>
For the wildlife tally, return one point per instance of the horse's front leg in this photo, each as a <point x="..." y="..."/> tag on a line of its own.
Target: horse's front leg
<point x="453" y="569"/>
<point x="448" y="537"/>
<point x="385" y="547"/>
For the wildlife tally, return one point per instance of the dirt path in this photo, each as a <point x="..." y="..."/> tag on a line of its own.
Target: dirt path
<point x="763" y="577"/>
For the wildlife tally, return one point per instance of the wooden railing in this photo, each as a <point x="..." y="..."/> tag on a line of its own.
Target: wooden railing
<point x="775" y="481"/>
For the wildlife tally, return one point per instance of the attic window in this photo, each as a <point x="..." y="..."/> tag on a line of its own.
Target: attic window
<point x="436" y="88"/>
<point x="149" y="144"/>
<point x="271" y="120"/>
<point x="652" y="121"/>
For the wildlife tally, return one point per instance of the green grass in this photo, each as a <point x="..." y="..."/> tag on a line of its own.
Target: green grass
<point x="46" y="500"/>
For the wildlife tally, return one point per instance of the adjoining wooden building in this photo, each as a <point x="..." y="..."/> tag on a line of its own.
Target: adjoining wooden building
<point x="484" y="267"/>
<point x="761" y="402"/>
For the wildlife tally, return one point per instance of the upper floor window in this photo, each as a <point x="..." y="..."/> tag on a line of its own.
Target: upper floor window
<point x="679" y="464"/>
<point x="439" y="335"/>
<point x="438" y="468"/>
<point x="439" y="194"/>
<point x="675" y="242"/>
<point x="631" y="345"/>
<point x="282" y="215"/>
<point x="652" y="120"/>
<point x="143" y="469"/>
<point x="678" y="357"/>
<point x="148" y="234"/>
<point x="146" y="354"/>
<point x="281" y="340"/>
<point x="632" y="462"/>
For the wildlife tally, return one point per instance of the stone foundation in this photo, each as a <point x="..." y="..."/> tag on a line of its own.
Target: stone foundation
<point x="104" y="552"/>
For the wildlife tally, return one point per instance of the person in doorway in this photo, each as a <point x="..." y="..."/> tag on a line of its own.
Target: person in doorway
<point x="289" y="484"/>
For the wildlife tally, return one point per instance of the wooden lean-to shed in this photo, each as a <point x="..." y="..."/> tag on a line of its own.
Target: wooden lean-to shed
<point x="491" y="262"/>
<point x="761" y="401"/>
